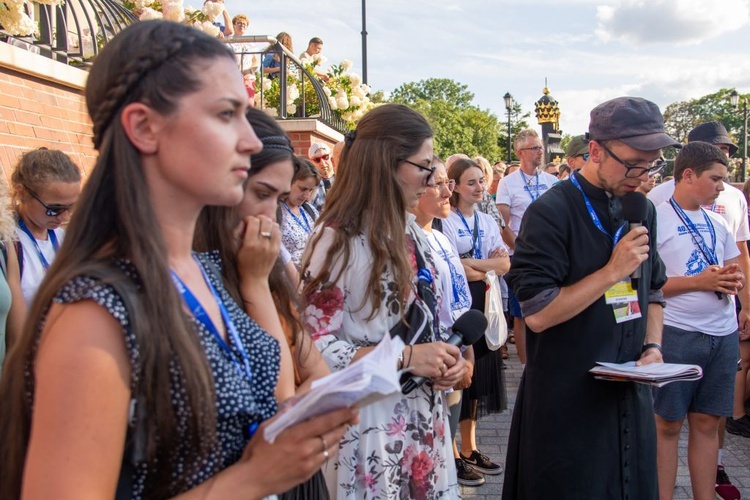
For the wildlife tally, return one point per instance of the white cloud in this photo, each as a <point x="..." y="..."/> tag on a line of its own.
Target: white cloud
<point x="675" y="21"/>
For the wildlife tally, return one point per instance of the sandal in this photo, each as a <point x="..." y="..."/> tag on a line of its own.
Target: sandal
<point x="511" y="338"/>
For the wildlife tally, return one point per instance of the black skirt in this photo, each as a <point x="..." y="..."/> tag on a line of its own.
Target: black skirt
<point x="487" y="394"/>
<point x="313" y="489"/>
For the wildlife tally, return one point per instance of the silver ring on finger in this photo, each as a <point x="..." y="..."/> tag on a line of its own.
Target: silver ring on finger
<point x="266" y="234"/>
<point x="325" y="447"/>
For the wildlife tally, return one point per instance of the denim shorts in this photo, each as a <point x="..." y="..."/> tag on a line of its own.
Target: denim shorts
<point x="714" y="393"/>
<point x="514" y="307"/>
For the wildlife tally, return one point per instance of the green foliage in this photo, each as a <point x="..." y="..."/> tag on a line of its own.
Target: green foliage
<point x="459" y="125"/>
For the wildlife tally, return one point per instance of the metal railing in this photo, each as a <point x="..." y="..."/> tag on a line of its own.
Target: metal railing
<point x="312" y="101"/>
<point x="74" y="32"/>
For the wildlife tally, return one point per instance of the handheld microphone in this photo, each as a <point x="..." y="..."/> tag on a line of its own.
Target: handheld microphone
<point x="467" y="330"/>
<point x="635" y="211"/>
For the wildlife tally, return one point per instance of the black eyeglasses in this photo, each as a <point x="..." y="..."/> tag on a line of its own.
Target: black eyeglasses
<point x="585" y="156"/>
<point x="51" y="210"/>
<point x="431" y="171"/>
<point x="632" y="171"/>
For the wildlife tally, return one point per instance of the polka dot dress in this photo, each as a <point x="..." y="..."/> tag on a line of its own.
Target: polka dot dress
<point x="240" y="402"/>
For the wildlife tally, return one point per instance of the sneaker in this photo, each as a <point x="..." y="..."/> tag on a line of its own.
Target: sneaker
<point x="482" y="463"/>
<point x="739" y="427"/>
<point x="724" y="487"/>
<point x="467" y="476"/>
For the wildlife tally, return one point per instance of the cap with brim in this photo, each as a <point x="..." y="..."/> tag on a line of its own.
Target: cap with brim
<point x="317" y="149"/>
<point x="713" y="133"/>
<point x="577" y="146"/>
<point x="631" y="120"/>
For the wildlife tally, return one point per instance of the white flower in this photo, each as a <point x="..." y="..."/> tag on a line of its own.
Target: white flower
<point x="142" y="4"/>
<point x="320" y="59"/>
<point x="355" y="101"/>
<point x="357" y="91"/>
<point x="16" y="6"/>
<point x="173" y="11"/>
<point x="355" y="79"/>
<point x="267" y="82"/>
<point x="292" y="92"/>
<point x="327" y="91"/>
<point x="271" y="112"/>
<point x="150" y="14"/>
<point x="366" y="88"/>
<point x="212" y="9"/>
<point x="341" y="100"/>
<point x="332" y="103"/>
<point x="16" y="22"/>
<point x="256" y="99"/>
<point x="207" y="28"/>
<point x="291" y="109"/>
<point x="348" y="116"/>
<point x="190" y="10"/>
<point x="346" y="65"/>
<point x="49" y="2"/>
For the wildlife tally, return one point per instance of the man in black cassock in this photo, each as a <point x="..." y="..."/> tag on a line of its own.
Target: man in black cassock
<point x="574" y="437"/>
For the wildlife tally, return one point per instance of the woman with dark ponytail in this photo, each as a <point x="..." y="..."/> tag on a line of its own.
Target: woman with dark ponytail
<point x="137" y="375"/>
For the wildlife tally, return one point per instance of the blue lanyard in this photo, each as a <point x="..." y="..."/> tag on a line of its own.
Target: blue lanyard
<point x="474" y="236"/>
<point x="200" y="314"/>
<point x="52" y="237"/>
<point x="592" y="213"/>
<point x="460" y="298"/>
<point x="303" y="223"/>
<point x="527" y="186"/>
<point x="709" y="254"/>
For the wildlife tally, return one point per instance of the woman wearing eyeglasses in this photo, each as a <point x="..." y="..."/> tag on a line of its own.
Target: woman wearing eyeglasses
<point x="46" y="184"/>
<point x="477" y="238"/>
<point x="368" y="268"/>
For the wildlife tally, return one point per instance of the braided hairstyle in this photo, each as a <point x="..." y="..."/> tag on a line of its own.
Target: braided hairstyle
<point x="156" y="63"/>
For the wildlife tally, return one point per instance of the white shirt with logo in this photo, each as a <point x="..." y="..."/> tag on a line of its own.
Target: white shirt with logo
<point x="518" y="190"/>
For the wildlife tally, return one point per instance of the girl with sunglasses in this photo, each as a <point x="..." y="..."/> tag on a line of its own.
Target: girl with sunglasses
<point x="367" y="267"/>
<point x="46" y="184"/>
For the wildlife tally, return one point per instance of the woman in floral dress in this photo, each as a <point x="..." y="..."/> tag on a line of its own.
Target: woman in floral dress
<point x="360" y="277"/>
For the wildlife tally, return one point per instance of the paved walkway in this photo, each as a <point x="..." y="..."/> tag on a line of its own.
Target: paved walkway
<point x="492" y="439"/>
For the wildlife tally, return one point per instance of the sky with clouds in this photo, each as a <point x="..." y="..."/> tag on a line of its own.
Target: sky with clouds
<point x="589" y="50"/>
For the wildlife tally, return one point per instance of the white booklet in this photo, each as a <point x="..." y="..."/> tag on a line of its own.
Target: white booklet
<point x="656" y="374"/>
<point x="363" y="382"/>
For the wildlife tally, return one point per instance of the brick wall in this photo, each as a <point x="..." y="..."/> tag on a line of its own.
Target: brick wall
<point x="304" y="133"/>
<point x="35" y="112"/>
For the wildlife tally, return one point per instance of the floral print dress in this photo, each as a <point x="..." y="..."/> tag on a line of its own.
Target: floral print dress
<point x="401" y="449"/>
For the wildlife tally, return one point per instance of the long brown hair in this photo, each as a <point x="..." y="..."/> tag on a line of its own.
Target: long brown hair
<point x="456" y="170"/>
<point x="384" y="138"/>
<point x="216" y="225"/>
<point x="156" y="63"/>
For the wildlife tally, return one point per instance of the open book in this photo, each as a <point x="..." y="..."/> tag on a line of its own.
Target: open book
<point x="657" y="374"/>
<point x="363" y="382"/>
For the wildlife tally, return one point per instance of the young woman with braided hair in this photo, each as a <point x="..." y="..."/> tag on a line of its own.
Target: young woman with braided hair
<point x="155" y="396"/>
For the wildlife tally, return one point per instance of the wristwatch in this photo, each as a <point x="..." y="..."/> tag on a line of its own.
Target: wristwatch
<point x="652" y="345"/>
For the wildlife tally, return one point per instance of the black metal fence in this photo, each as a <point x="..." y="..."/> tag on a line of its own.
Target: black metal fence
<point x="74" y="32"/>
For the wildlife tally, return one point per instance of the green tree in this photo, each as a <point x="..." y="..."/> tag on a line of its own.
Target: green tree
<point x="459" y="125"/>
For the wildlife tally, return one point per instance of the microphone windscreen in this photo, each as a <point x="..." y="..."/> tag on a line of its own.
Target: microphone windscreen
<point x="634" y="207"/>
<point x="471" y="325"/>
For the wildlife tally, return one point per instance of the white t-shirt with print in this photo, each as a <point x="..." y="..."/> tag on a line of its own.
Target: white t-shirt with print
<point x="456" y="293"/>
<point x="730" y="204"/>
<point x="518" y="190"/>
<point x="488" y="234"/>
<point x="695" y="311"/>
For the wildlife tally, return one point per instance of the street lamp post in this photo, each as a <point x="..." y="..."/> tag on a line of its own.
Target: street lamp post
<point x="509" y="108"/>
<point x="734" y="98"/>
<point x="364" y="42"/>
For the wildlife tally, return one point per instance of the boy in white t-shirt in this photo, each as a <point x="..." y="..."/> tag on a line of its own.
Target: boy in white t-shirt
<point x="700" y="326"/>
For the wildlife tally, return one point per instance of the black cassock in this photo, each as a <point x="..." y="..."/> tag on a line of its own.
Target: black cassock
<point x="574" y="437"/>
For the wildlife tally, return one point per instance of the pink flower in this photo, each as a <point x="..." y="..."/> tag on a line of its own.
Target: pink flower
<point x="421" y="466"/>
<point x="329" y="299"/>
<point x="440" y="429"/>
<point x="397" y="426"/>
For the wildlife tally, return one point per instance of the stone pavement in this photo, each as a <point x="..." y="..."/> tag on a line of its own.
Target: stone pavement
<point x="492" y="439"/>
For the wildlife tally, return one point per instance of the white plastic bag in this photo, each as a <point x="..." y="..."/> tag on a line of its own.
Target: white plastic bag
<point x="497" y="329"/>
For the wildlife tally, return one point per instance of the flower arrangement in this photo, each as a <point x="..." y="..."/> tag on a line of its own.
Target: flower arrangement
<point x="347" y="96"/>
<point x="14" y="19"/>
<point x="174" y="10"/>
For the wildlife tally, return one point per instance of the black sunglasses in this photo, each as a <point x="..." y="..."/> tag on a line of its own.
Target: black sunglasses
<point x="51" y="210"/>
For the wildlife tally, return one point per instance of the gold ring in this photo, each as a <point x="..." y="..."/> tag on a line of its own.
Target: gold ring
<point x="443" y="368"/>
<point x="266" y="234"/>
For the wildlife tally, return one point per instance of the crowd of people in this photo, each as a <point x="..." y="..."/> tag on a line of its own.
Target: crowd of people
<point x="207" y="276"/>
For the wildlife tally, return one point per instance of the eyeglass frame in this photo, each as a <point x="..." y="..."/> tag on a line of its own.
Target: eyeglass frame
<point x="50" y="210"/>
<point x="430" y="169"/>
<point x="533" y="148"/>
<point x="450" y="184"/>
<point x="320" y="158"/>
<point x="658" y="165"/>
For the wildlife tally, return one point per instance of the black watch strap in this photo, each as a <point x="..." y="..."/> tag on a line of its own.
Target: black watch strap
<point x="651" y="345"/>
